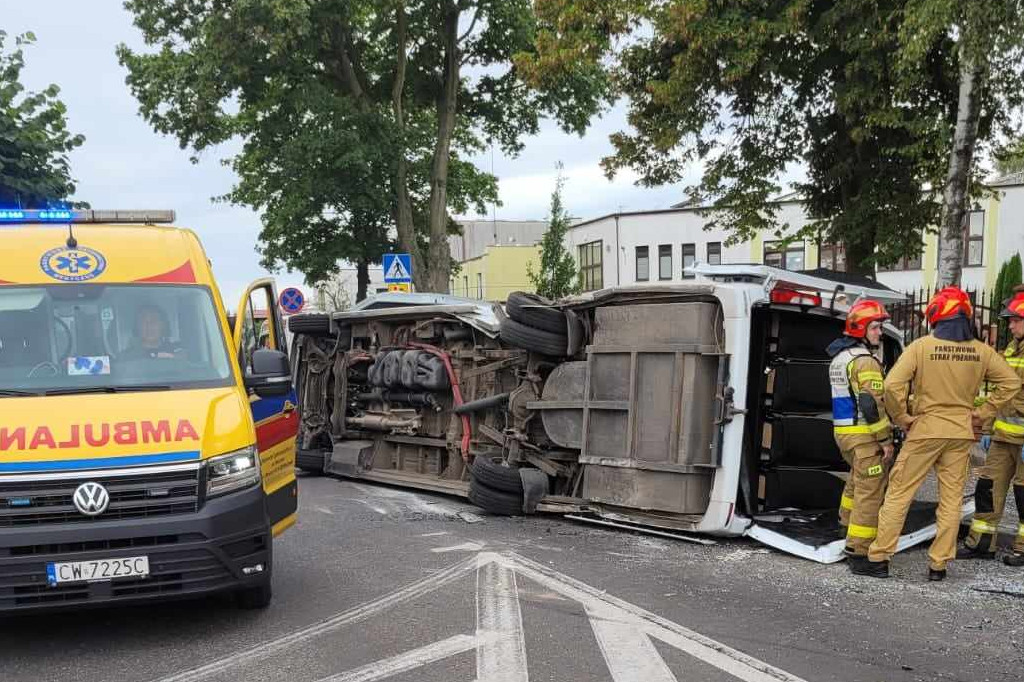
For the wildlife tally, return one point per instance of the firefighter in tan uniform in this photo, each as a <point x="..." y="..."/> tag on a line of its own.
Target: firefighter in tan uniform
<point x="945" y="371"/>
<point x="860" y="425"/>
<point x="1004" y="463"/>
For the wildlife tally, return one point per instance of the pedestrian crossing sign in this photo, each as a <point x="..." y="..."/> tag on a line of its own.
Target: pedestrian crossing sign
<point x="397" y="267"/>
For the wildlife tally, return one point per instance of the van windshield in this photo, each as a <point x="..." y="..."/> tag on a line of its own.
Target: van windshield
<point x="105" y="338"/>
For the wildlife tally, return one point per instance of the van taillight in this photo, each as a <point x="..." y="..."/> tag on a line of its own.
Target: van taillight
<point x="795" y="297"/>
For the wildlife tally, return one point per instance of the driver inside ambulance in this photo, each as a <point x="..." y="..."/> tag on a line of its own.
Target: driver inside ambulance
<point x="151" y="340"/>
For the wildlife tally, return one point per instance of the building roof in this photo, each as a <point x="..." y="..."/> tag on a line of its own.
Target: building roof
<point x="477" y="235"/>
<point x="1008" y="180"/>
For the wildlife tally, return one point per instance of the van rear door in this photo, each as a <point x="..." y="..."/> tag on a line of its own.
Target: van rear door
<point x="258" y="325"/>
<point x="792" y="474"/>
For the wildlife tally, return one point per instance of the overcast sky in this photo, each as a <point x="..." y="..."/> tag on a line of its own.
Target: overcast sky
<point x="125" y="165"/>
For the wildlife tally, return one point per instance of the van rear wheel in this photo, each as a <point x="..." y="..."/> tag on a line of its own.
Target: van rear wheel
<point x="495" y="501"/>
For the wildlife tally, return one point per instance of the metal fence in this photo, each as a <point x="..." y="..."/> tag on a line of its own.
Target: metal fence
<point x="909" y="316"/>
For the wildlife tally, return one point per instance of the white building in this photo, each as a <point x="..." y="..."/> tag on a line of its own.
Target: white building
<point x="655" y="246"/>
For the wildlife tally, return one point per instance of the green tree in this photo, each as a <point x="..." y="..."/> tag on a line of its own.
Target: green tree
<point x="985" y="40"/>
<point x="558" y="275"/>
<point x="1010" y="159"/>
<point x="391" y="96"/>
<point x="1007" y="280"/>
<point x="34" y="137"/>
<point x="751" y="91"/>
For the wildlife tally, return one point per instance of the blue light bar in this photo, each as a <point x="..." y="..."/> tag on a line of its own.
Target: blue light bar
<point x="18" y="215"/>
<point x="59" y="216"/>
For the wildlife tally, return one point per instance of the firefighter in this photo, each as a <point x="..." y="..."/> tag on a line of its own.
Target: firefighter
<point x="1004" y="464"/>
<point x="860" y="425"/>
<point x="944" y="371"/>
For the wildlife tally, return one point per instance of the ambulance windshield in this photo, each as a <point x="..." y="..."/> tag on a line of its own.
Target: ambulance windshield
<point x="84" y="337"/>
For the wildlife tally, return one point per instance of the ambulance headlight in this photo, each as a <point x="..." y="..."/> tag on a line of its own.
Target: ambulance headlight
<point x="232" y="471"/>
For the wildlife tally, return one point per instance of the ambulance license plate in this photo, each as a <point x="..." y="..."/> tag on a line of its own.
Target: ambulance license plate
<point x="96" y="571"/>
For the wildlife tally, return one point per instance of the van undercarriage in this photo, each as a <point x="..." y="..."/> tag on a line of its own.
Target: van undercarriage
<point x="681" y="408"/>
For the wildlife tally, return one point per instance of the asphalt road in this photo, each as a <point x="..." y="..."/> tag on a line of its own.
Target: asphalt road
<point x="378" y="583"/>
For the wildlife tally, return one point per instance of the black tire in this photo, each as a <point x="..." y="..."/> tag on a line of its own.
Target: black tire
<point x="310" y="461"/>
<point x="524" y="308"/>
<point x="256" y="597"/>
<point x="497" y="476"/>
<point x="495" y="501"/>
<point x="314" y="324"/>
<point x="547" y="343"/>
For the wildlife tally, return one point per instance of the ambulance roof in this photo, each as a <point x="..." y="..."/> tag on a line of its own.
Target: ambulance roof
<point x="103" y="254"/>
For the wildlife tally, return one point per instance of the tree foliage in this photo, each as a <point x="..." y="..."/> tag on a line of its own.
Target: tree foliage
<point x="750" y="91"/>
<point x="34" y="138"/>
<point x="1007" y="281"/>
<point x="356" y="115"/>
<point x="986" y="41"/>
<point x="557" y="275"/>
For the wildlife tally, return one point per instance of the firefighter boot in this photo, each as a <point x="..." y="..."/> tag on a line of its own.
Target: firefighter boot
<point x="873" y="569"/>
<point x="979" y="552"/>
<point x="981" y="541"/>
<point x="936" y="574"/>
<point x="1016" y="559"/>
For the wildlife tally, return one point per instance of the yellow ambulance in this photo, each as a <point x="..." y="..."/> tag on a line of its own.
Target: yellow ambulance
<point x="147" y="448"/>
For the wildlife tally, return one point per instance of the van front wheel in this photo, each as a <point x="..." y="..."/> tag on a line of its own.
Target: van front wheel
<point x="258" y="597"/>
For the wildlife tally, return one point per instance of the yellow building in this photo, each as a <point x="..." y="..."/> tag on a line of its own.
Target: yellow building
<point x="496" y="273"/>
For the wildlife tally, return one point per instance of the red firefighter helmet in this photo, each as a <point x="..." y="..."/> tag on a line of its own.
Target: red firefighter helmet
<point x="1014" y="307"/>
<point x="947" y="304"/>
<point x="861" y="315"/>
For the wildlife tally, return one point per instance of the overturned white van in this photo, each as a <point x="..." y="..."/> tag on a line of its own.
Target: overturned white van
<point x="697" y="408"/>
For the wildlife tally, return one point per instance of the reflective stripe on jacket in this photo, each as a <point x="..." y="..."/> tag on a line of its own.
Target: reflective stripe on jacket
<point x="852" y="371"/>
<point x="1009" y="425"/>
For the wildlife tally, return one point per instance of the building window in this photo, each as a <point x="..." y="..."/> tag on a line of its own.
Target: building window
<point x="689" y="258"/>
<point x="480" y="286"/>
<point x="913" y="263"/>
<point x="465" y="286"/>
<point x="832" y="257"/>
<point x="789" y="257"/>
<point x="974" y="238"/>
<point x="591" y="265"/>
<point x="643" y="264"/>
<point x="665" y="261"/>
<point x="714" y="253"/>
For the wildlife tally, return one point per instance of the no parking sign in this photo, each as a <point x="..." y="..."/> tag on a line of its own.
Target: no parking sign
<point x="291" y="300"/>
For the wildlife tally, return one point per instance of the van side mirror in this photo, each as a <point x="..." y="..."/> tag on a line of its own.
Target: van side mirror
<point x="271" y="374"/>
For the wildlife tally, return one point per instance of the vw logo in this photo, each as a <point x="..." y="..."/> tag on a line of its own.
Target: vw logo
<point x="91" y="499"/>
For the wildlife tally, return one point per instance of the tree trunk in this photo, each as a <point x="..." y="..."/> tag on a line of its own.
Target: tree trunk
<point x="857" y="253"/>
<point x="438" y="257"/>
<point x="968" y="111"/>
<point x="403" y="206"/>
<point x="362" y="278"/>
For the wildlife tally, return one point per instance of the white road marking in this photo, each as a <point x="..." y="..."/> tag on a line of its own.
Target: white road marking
<point x="434" y="535"/>
<point x="725" y="658"/>
<point x="355" y="615"/>
<point x="464" y="547"/>
<point x="503" y="659"/>
<point x="627" y="650"/>
<point x="623" y="631"/>
<point x="325" y="510"/>
<point x="410" y="660"/>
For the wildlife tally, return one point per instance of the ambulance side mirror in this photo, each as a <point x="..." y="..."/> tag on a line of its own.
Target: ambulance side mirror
<point x="271" y="375"/>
